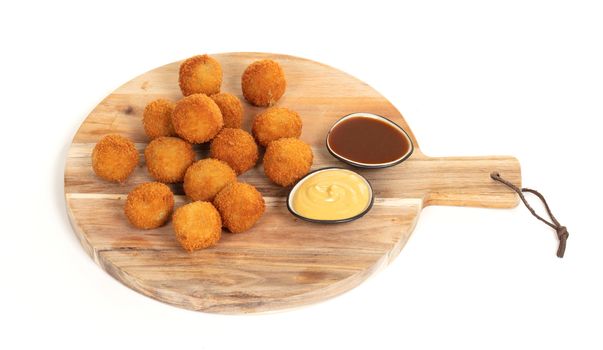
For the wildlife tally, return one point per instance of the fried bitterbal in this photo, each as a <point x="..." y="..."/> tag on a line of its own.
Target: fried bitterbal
<point x="157" y="118"/>
<point x="197" y="225"/>
<point x="149" y="205"/>
<point x="231" y="108"/>
<point x="263" y="83"/>
<point x="240" y="205"/>
<point x="205" y="178"/>
<point x="168" y="158"/>
<point x="236" y="147"/>
<point x="276" y="123"/>
<point x="287" y="160"/>
<point x="200" y="74"/>
<point x="114" y="158"/>
<point x="197" y="118"/>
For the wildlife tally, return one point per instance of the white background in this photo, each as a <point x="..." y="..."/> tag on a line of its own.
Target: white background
<point x="522" y="78"/>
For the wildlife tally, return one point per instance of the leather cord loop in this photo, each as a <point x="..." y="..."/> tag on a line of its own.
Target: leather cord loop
<point x="561" y="230"/>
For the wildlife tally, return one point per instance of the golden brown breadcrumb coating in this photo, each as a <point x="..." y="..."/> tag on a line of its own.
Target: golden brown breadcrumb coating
<point x="168" y="158"/>
<point x="287" y="160"/>
<point x="240" y="205"/>
<point x="236" y="147"/>
<point x="197" y="118"/>
<point x="157" y="118"/>
<point x="197" y="225"/>
<point x="231" y="108"/>
<point x="200" y="74"/>
<point x="263" y="83"/>
<point x="276" y="123"/>
<point x="149" y="205"/>
<point x="205" y="178"/>
<point x="114" y="158"/>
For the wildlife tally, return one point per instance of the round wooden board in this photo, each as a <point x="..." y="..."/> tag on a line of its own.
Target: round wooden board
<point x="282" y="262"/>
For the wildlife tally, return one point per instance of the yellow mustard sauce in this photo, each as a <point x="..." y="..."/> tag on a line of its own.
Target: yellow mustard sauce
<point x="332" y="194"/>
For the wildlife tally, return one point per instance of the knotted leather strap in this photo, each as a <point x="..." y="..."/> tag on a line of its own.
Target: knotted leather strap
<point x="562" y="233"/>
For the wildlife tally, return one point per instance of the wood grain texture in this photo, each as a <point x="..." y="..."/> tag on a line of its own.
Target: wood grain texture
<point x="282" y="262"/>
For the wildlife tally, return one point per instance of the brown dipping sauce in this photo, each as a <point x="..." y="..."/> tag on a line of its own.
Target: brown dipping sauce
<point x="368" y="140"/>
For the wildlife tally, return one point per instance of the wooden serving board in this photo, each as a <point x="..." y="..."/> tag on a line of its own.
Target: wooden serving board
<point x="282" y="262"/>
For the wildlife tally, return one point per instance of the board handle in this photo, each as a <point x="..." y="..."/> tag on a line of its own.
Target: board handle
<point x="466" y="181"/>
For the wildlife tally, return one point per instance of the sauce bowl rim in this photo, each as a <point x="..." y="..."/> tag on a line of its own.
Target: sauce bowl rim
<point x="337" y="221"/>
<point x="366" y="165"/>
